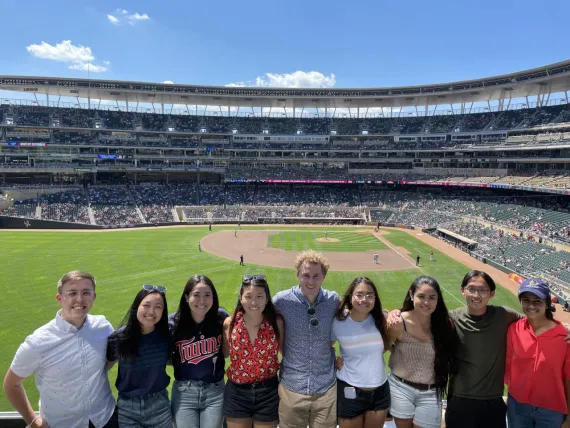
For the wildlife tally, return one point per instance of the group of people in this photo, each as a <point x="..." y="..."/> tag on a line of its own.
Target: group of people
<point x="463" y="355"/>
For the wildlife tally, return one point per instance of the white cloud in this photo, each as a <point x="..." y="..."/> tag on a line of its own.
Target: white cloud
<point x="137" y="17"/>
<point x="86" y="66"/>
<point x="80" y="57"/>
<point x="122" y="15"/>
<point x="64" y="51"/>
<point x="298" y="79"/>
<point x="113" y="19"/>
<point x="168" y="82"/>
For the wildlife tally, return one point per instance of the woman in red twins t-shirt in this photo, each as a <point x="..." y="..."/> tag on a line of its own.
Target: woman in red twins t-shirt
<point x="252" y="337"/>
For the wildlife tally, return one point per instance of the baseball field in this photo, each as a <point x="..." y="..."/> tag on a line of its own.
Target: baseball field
<point x="121" y="261"/>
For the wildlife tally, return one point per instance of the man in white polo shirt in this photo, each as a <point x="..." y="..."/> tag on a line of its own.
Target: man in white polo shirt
<point x="68" y="357"/>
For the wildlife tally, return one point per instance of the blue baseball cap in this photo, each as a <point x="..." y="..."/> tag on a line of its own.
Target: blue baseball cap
<point x="535" y="286"/>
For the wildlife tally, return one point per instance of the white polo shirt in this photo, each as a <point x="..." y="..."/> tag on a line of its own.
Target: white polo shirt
<point x="70" y="372"/>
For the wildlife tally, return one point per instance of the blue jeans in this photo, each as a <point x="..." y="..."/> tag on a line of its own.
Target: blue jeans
<point x="522" y="415"/>
<point x="151" y="410"/>
<point x="196" y="404"/>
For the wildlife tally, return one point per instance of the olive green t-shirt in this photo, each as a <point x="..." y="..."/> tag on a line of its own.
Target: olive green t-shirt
<point x="482" y="352"/>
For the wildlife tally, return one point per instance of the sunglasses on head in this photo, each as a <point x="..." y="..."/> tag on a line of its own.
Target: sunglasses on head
<point x="150" y="287"/>
<point x="248" y="278"/>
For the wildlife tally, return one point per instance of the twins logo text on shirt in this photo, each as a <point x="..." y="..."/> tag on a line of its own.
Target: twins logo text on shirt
<point x="194" y="352"/>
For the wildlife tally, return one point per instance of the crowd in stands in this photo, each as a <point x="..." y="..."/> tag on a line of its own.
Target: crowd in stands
<point x="406" y="124"/>
<point x="523" y="253"/>
<point x="25" y="209"/>
<point x="68" y="206"/>
<point x="113" y="205"/>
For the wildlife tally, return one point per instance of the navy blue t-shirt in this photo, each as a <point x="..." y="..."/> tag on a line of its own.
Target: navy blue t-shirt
<point x="147" y="375"/>
<point x="200" y="357"/>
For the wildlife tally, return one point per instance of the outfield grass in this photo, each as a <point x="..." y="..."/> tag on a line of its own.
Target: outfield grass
<point x="307" y="240"/>
<point x="123" y="261"/>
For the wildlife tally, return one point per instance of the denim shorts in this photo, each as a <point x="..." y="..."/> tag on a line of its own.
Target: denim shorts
<point x="521" y="415"/>
<point x="365" y="401"/>
<point x="411" y="403"/>
<point x="151" y="410"/>
<point x="259" y="401"/>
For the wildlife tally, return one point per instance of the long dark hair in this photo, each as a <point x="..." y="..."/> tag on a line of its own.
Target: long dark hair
<point x="445" y="339"/>
<point x="129" y="337"/>
<point x="184" y="325"/>
<point x="376" y="312"/>
<point x="269" y="312"/>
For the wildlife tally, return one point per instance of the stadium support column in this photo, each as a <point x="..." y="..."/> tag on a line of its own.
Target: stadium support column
<point x="162" y="106"/>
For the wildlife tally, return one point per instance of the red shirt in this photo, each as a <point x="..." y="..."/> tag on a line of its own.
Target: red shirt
<point x="537" y="367"/>
<point x="252" y="363"/>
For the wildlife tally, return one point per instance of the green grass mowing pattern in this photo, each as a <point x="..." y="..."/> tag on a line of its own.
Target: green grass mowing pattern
<point x="348" y="241"/>
<point x="123" y="261"/>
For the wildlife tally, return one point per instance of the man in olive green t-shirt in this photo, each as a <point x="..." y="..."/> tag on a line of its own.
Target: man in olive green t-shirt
<point x="476" y="392"/>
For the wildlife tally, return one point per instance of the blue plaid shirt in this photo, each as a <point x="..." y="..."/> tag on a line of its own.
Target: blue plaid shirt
<point x="307" y="366"/>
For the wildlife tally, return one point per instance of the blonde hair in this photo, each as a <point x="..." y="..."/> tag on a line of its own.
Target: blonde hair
<point x="74" y="275"/>
<point x="312" y="257"/>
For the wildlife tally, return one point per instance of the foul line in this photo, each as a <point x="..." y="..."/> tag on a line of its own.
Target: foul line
<point x="385" y="241"/>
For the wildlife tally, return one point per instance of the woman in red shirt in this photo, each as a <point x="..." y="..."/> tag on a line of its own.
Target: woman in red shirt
<point x="537" y="369"/>
<point x="253" y="339"/>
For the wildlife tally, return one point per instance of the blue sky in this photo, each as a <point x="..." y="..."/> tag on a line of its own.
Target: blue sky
<point x="346" y="44"/>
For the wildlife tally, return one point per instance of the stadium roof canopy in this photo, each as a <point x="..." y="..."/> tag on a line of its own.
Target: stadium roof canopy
<point x="554" y="78"/>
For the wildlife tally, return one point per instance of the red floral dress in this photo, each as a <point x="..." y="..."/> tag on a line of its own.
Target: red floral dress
<point x="252" y="363"/>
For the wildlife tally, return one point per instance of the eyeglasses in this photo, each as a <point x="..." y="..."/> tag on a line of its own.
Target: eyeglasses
<point x="367" y="296"/>
<point x="247" y="278"/>
<point x="477" y="290"/>
<point x="85" y="294"/>
<point x="312" y="318"/>
<point x="150" y="287"/>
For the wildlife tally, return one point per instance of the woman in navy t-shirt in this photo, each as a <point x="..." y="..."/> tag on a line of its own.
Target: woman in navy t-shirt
<point x="198" y="358"/>
<point x="142" y="347"/>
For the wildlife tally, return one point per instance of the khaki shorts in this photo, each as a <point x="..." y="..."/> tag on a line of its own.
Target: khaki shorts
<point x="299" y="410"/>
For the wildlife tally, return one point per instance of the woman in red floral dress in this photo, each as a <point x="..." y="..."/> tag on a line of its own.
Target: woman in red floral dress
<point x="253" y="339"/>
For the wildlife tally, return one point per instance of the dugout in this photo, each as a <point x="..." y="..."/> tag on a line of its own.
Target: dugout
<point x="456" y="238"/>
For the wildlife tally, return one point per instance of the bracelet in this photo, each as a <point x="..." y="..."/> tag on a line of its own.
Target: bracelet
<point x="31" y="423"/>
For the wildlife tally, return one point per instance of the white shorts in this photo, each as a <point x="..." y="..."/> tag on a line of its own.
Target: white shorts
<point x="411" y="403"/>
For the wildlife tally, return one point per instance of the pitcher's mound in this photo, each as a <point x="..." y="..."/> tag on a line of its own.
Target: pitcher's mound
<point x="327" y="240"/>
